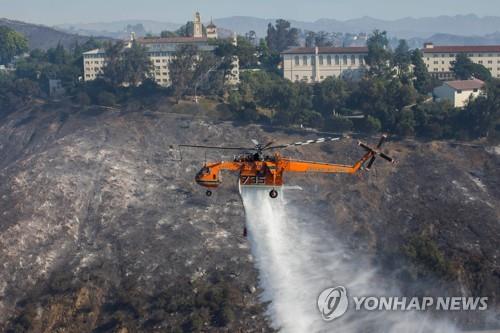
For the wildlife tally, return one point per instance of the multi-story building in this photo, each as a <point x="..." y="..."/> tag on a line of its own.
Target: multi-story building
<point x="160" y="51"/>
<point x="93" y="64"/>
<point x="438" y="59"/>
<point x="316" y="64"/>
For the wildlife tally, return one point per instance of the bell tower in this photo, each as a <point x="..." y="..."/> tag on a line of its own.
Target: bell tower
<point x="198" y="28"/>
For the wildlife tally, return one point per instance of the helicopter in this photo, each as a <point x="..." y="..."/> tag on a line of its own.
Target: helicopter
<point x="257" y="168"/>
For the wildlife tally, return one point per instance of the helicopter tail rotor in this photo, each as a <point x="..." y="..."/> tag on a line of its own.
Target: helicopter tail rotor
<point x="375" y="152"/>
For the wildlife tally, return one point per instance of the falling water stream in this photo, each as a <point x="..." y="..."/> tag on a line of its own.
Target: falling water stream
<point x="297" y="259"/>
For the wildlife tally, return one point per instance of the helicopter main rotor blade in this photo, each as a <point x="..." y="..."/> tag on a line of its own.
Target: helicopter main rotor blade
<point x="370" y="163"/>
<point x="386" y="157"/>
<point x="215" y="147"/>
<point x="303" y="143"/>
<point x="268" y="144"/>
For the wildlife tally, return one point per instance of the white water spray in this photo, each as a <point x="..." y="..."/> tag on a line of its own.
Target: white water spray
<point x="297" y="259"/>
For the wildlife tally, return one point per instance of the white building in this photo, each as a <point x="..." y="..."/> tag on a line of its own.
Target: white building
<point x="459" y="92"/>
<point x="316" y="64"/>
<point x="160" y="51"/>
<point x="439" y="58"/>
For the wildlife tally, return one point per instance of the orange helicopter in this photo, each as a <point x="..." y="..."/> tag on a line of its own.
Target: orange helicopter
<point x="261" y="170"/>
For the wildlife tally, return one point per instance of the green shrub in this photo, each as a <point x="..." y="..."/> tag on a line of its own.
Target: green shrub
<point x="106" y="99"/>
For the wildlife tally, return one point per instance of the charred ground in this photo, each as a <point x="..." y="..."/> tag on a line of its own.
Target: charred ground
<point x="103" y="230"/>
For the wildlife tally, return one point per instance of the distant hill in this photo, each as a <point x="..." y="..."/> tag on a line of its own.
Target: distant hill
<point x="460" y="29"/>
<point x="116" y="29"/>
<point x="43" y="37"/>
<point x="443" y="30"/>
<point x="465" y="25"/>
<point x="447" y="39"/>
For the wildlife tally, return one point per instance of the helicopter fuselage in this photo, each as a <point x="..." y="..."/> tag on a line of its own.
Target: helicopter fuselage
<point x="253" y="171"/>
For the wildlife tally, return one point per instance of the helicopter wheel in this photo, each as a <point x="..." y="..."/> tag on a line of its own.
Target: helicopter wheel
<point x="208" y="193"/>
<point x="273" y="194"/>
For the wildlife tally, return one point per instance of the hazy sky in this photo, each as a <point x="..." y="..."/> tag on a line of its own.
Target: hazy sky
<point x="77" y="11"/>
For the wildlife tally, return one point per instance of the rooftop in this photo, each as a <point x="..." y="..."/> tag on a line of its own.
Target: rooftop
<point x="95" y="51"/>
<point x="170" y="40"/>
<point x="465" y="84"/>
<point x="323" y="50"/>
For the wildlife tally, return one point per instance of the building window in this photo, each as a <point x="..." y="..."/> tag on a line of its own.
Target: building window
<point x="490" y="62"/>
<point x="296" y="77"/>
<point x="480" y="62"/>
<point x="344" y="60"/>
<point x="459" y="91"/>
<point x="436" y="62"/>
<point x="361" y="59"/>
<point x="337" y="60"/>
<point x="304" y="78"/>
<point x="297" y="60"/>
<point x="329" y="60"/>
<point x="353" y="60"/>
<point x="304" y="60"/>
<point x="321" y="60"/>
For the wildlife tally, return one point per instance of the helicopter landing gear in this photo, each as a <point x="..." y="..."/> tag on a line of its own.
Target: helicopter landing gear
<point x="208" y="193"/>
<point x="273" y="194"/>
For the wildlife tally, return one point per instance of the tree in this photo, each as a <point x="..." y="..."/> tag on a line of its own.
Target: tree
<point x="330" y="96"/>
<point x="322" y="39"/>
<point x="267" y="58"/>
<point x="251" y="37"/>
<point x="126" y="65"/>
<point x="379" y="56"/>
<point x="58" y="55"/>
<point x="136" y="65"/>
<point x="247" y="53"/>
<point x="465" y="69"/>
<point x="281" y="36"/>
<point x="12" y="44"/>
<point x="310" y="38"/>
<point x="422" y="81"/>
<point x="113" y="71"/>
<point x="481" y="115"/>
<point x="138" y="29"/>
<point x="402" y="58"/>
<point x="182" y="69"/>
<point x="168" y="34"/>
<point x="462" y="67"/>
